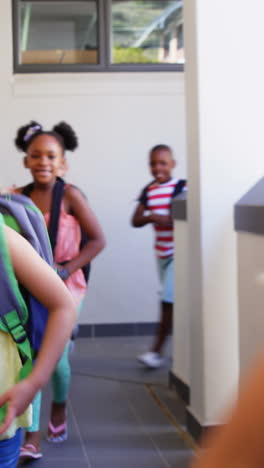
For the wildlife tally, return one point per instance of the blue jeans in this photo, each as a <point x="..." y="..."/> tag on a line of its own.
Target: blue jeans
<point x="10" y="449"/>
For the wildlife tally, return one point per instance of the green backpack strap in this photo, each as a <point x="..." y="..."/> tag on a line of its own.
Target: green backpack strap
<point x="10" y="321"/>
<point x="18" y="332"/>
<point x="13" y="313"/>
<point x="19" y="335"/>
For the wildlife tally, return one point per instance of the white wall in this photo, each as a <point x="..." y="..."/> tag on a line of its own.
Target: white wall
<point x="118" y="117"/>
<point x="224" y="91"/>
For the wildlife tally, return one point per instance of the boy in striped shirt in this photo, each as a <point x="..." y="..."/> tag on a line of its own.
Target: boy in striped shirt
<point x="154" y="207"/>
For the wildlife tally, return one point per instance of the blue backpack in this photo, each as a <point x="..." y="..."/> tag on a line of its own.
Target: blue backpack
<point x="21" y="314"/>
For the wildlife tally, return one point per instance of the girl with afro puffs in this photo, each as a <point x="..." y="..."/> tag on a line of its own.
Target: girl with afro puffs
<point x="44" y="157"/>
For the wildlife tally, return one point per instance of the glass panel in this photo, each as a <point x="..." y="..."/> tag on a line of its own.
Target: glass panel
<point x="58" y="32"/>
<point x="147" y="31"/>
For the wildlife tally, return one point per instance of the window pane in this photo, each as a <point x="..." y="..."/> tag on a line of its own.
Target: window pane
<point x="58" y="32"/>
<point x="147" y="31"/>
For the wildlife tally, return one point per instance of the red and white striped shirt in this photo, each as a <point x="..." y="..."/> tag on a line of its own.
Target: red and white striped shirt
<point x="157" y="199"/>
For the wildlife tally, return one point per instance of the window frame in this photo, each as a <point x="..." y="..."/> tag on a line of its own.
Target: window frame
<point x="104" y="49"/>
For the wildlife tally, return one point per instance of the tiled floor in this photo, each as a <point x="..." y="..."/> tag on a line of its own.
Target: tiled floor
<point x="120" y="414"/>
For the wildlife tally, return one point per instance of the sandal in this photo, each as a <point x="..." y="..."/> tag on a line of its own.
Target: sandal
<point x="29" y="452"/>
<point x="54" y="438"/>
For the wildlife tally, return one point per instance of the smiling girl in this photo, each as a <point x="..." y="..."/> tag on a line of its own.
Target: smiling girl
<point x="44" y="157"/>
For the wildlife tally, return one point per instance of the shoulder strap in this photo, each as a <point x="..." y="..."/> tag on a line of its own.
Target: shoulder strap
<point x="57" y="196"/>
<point x="11" y="298"/>
<point x="14" y="312"/>
<point x="27" y="189"/>
<point x="181" y="184"/>
<point x="143" y="197"/>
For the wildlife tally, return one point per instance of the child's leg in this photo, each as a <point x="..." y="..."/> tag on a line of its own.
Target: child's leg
<point x="32" y="435"/>
<point x="153" y="358"/>
<point x="36" y="406"/>
<point x="61" y="378"/>
<point x="60" y="381"/>
<point x="164" y="326"/>
<point x="9" y="450"/>
<point x="166" y="272"/>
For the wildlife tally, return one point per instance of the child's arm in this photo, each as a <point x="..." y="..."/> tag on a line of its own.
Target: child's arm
<point x="162" y="220"/>
<point x="80" y="208"/>
<point x="37" y="277"/>
<point x="140" y="219"/>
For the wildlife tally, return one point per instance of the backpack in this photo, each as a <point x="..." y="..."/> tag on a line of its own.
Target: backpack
<point x="21" y="314"/>
<point x="57" y="196"/>
<point x="179" y="188"/>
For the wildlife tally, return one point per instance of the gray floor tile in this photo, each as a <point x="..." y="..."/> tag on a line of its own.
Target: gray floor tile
<point x="120" y="459"/>
<point x="166" y="437"/>
<point x="113" y="420"/>
<point x="72" y="448"/>
<point x="116" y="358"/>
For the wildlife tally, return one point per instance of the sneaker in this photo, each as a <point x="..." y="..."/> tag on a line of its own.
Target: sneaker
<point x="151" y="359"/>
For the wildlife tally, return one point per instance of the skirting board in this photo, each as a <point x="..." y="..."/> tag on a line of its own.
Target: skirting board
<point x="182" y="389"/>
<point x="117" y="329"/>
<point x="193" y="426"/>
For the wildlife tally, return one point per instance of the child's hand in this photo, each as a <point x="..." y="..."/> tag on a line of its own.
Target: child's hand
<point x="5" y="190"/>
<point x="161" y="220"/>
<point x="17" y="398"/>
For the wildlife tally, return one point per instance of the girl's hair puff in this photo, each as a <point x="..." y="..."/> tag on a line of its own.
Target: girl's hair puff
<point x="63" y="133"/>
<point x="21" y="140"/>
<point x="67" y="134"/>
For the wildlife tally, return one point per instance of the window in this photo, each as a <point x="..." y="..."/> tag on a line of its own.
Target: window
<point x="97" y="35"/>
<point x="146" y="32"/>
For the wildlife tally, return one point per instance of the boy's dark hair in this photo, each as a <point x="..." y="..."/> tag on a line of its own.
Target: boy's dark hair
<point x="160" y="147"/>
<point x="63" y="133"/>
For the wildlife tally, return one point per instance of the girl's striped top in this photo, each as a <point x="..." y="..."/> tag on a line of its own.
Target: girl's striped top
<point x="157" y="199"/>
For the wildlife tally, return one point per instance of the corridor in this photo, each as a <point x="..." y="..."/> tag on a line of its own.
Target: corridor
<point x="120" y="414"/>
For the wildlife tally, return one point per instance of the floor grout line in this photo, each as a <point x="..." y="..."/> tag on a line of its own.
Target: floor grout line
<point x="149" y="386"/>
<point x="167" y="413"/>
<point x="118" y="379"/>
<point x="140" y="420"/>
<point x="86" y="456"/>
